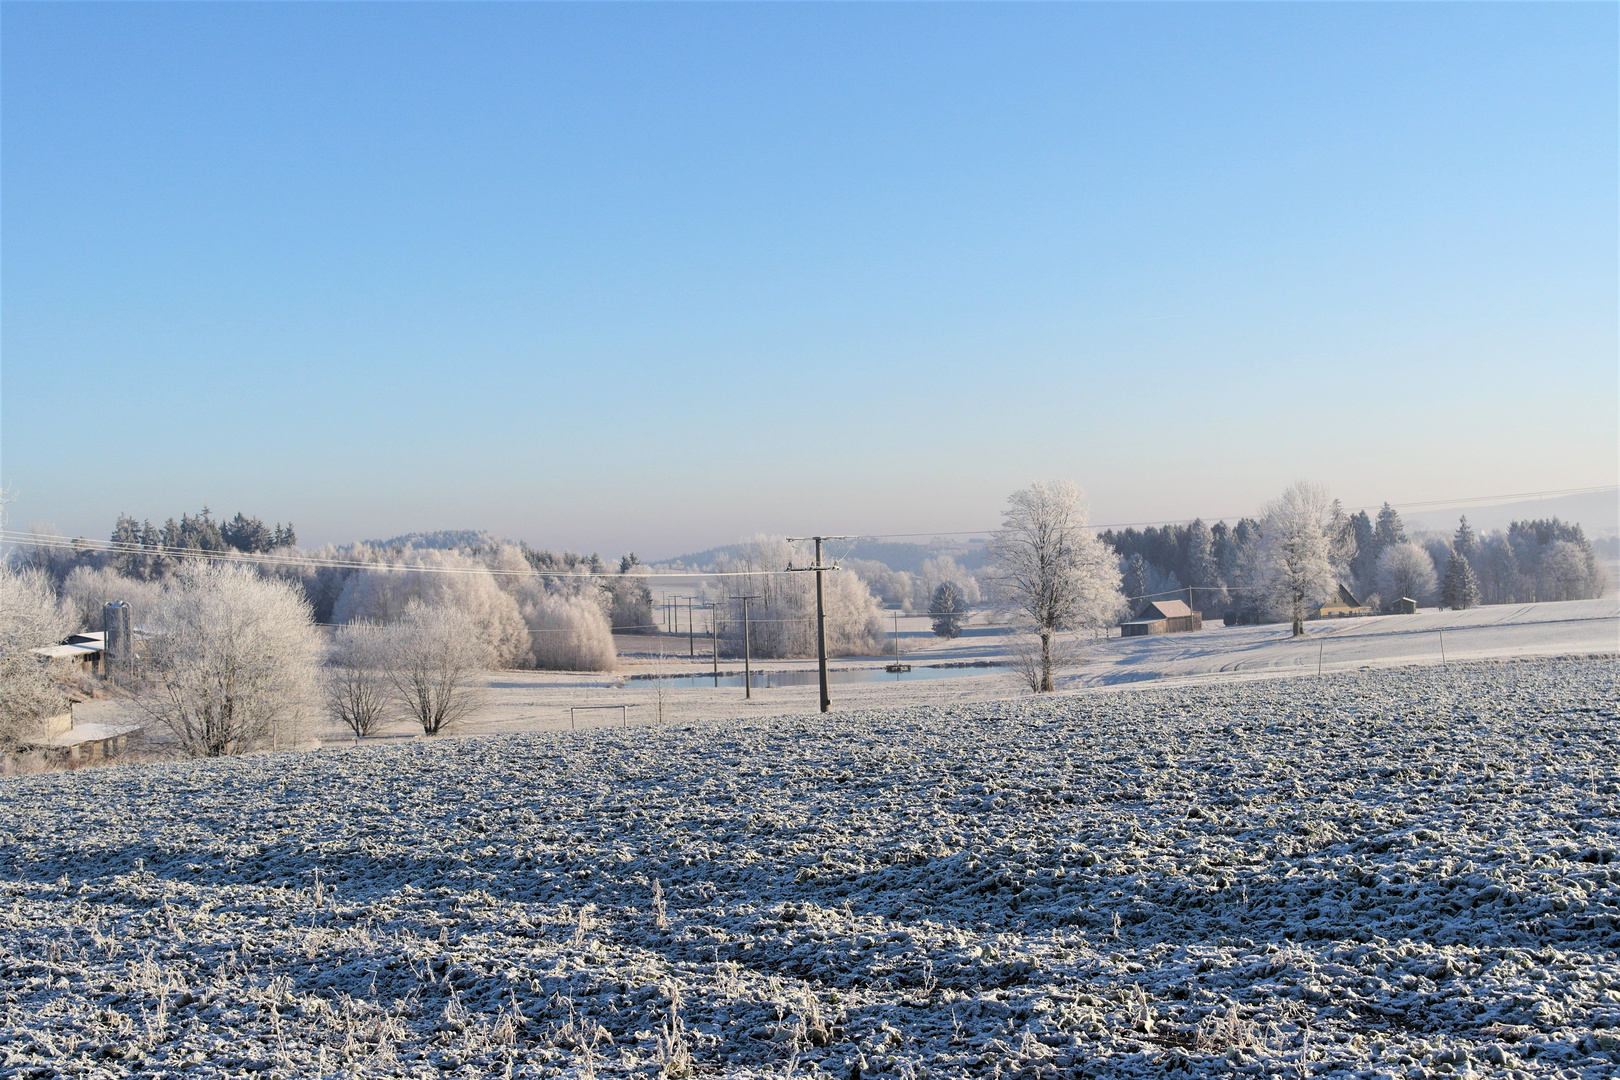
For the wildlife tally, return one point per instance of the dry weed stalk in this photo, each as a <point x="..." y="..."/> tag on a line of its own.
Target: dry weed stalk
<point x="660" y="911"/>
<point x="674" y="1055"/>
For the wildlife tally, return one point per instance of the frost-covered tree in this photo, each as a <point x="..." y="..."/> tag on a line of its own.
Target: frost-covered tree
<point x="432" y="658"/>
<point x="88" y="590"/>
<point x="947" y="608"/>
<point x="1136" y="575"/>
<point x="1341" y="534"/>
<point x="30" y="617"/>
<point x="1201" y="569"/>
<point x="1295" y="568"/>
<point x="233" y="660"/>
<point x="567" y="631"/>
<point x="1460" y="588"/>
<point x="1563" y="572"/>
<point x="1465" y="543"/>
<point x="445" y="578"/>
<point x="937" y="571"/>
<point x="1405" y="569"/>
<point x="357" y="690"/>
<point x="783" y="619"/>
<point x="1390" y="529"/>
<point x="630" y="601"/>
<point x="1048" y="570"/>
<point x="1364" y="564"/>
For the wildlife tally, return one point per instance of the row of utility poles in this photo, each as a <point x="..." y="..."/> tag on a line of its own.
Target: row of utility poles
<point x="672" y="622"/>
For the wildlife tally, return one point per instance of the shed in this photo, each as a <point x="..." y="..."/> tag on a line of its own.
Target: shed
<point x="1405" y="606"/>
<point x="1163" y="617"/>
<point x="83" y="650"/>
<point x="1342" y="604"/>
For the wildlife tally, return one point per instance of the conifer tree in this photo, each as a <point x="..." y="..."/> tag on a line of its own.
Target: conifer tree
<point x="1390" y="529"/>
<point x="1460" y="588"/>
<point x="1465" y="543"/>
<point x="947" y="607"/>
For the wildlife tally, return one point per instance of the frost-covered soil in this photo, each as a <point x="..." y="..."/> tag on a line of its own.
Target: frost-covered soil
<point x="1405" y="873"/>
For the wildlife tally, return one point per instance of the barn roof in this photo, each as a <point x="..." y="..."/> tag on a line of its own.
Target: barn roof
<point x="1163" y="609"/>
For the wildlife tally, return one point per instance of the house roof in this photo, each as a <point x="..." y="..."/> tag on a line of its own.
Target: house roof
<point x="1166" y="609"/>
<point x="1342" y="598"/>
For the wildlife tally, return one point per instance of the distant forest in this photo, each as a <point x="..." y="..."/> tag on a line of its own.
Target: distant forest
<point x="1540" y="559"/>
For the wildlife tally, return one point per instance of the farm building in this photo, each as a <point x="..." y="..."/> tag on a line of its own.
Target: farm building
<point x="61" y="742"/>
<point x="1163" y="617"/>
<point x="1342" y="605"/>
<point x="83" y="651"/>
<point x="1405" y="606"/>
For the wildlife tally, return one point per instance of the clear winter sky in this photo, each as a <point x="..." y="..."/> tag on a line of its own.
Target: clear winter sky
<point x="619" y="276"/>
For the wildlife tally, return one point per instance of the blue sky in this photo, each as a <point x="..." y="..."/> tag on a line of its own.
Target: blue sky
<point x="656" y="277"/>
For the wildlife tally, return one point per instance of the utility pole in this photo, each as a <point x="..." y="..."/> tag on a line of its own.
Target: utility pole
<point x="748" y="682"/>
<point x="691" y="630"/>
<point x="821" y="611"/>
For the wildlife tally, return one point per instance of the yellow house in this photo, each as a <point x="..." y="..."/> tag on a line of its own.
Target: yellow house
<point x="1342" y="605"/>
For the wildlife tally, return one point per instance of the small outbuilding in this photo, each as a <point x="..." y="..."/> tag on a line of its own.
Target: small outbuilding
<point x="82" y="651"/>
<point x="1405" y="606"/>
<point x="1163" y="617"/>
<point x="1342" y="605"/>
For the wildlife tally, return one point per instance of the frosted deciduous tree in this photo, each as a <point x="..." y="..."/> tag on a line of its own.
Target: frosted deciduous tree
<point x="445" y="579"/>
<point x="88" y="589"/>
<point x="947" y="608"/>
<point x="1405" y="569"/>
<point x="357" y="689"/>
<point x="1563" y="573"/>
<point x="567" y="632"/>
<point x="1295" y="565"/>
<point x="783" y="620"/>
<point x="233" y="662"/>
<point x="432" y="659"/>
<point x="1049" y="571"/>
<point x="937" y="571"/>
<point x="30" y="617"/>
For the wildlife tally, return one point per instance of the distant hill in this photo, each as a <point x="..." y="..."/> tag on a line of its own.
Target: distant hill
<point x="907" y="557"/>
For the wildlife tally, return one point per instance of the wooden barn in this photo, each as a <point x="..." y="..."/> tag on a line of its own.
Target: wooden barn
<point x="1342" y="605"/>
<point x="1163" y="617"/>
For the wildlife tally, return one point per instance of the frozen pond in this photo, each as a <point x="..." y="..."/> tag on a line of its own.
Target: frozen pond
<point x="766" y="680"/>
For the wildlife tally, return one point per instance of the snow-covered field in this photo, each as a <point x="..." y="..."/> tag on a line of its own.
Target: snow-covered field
<point x="1403" y="872"/>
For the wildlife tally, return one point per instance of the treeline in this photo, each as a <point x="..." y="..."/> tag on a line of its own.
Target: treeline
<point x="527" y="607"/>
<point x="1373" y="557"/>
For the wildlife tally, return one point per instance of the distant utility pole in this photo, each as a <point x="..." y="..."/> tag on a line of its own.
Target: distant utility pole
<point x="748" y="683"/>
<point x="821" y="611"/>
<point x="691" y="630"/>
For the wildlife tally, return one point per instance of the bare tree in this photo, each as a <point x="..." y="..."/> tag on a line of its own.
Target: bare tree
<point x="1295" y="556"/>
<point x="434" y="656"/>
<point x="357" y="691"/>
<point x="1050" y="571"/>
<point x="233" y="662"/>
<point x="30" y="616"/>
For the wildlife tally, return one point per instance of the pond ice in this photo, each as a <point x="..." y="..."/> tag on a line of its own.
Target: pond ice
<point x="1390" y="873"/>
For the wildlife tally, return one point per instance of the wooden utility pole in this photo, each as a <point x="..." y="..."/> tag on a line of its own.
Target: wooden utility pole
<point x="748" y="682"/>
<point x="821" y="612"/>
